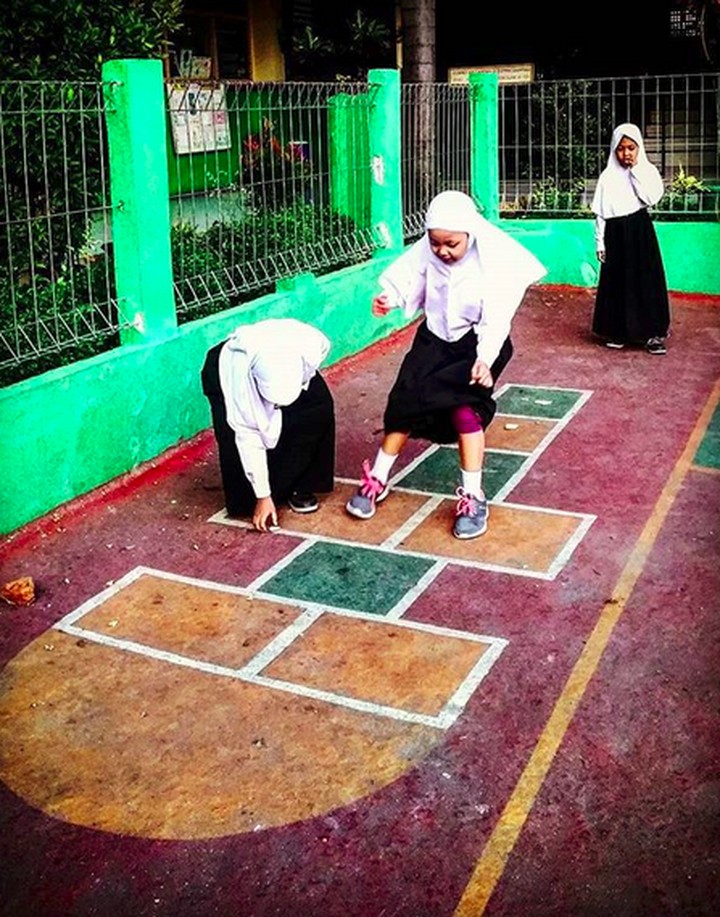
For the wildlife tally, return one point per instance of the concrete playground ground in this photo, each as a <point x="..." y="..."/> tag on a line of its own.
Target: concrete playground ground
<point x="373" y="719"/>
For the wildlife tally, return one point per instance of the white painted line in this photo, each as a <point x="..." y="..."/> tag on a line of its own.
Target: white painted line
<point x="313" y="606"/>
<point x="281" y="642"/>
<point x="340" y="700"/>
<point x="141" y="649"/>
<point x="250" y="672"/>
<point x="411" y="466"/>
<point x="479" y="565"/>
<point x="456" y="704"/>
<point x="101" y="597"/>
<point x="196" y="581"/>
<point x="282" y="563"/>
<point x="420" y="515"/>
<point x="417" y="590"/>
<point x="563" y="556"/>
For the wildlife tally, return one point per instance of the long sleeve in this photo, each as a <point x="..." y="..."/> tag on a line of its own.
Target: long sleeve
<point x="253" y="457"/>
<point x="403" y="282"/>
<point x="599" y="233"/>
<point x="496" y="322"/>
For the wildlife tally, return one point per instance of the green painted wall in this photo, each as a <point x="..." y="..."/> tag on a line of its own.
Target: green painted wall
<point x="74" y="429"/>
<point x="691" y="252"/>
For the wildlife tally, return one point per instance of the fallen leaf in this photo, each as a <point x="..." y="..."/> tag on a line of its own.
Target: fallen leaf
<point x="19" y="591"/>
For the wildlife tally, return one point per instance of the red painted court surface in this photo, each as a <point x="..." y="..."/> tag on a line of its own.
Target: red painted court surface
<point x="373" y="719"/>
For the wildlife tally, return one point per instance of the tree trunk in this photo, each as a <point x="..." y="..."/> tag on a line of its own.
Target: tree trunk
<point x="418" y="40"/>
<point x="418" y="66"/>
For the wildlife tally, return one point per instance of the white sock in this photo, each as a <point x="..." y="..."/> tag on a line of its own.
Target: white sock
<point x="472" y="482"/>
<point x="383" y="464"/>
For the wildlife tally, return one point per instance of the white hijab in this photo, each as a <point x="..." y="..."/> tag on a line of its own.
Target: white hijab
<point x="263" y="367"/>
<point x="622" y="191"/>
<point x="495" y="266"/>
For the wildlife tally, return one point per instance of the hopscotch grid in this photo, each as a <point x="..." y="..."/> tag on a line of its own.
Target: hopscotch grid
<point x="209" y="668"/>
<point x="250" y="671"/>
<point x="211" y="585"/>
<point x="312" y="538"/>
<point x="311" y="612"/>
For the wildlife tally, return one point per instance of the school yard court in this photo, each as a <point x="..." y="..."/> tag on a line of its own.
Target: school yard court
<point x="374" y="719"/>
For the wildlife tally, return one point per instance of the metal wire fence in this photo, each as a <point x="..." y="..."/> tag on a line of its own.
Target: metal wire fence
<point x="269" y="180"/>
<point x="555" y="136"/>
<point x="436" y="147"/>
<point x="56" y="274"/>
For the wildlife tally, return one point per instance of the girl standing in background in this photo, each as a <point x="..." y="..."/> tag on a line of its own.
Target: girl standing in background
<point x="631" y="304"/>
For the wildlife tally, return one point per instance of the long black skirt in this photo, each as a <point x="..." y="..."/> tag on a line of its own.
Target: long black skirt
<point x="434" y="378"/>
<point x="631" y="303"/>
<point x="304" y="457"/>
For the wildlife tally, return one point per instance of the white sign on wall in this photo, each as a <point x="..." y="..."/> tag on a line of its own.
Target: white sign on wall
<point x="198" y="118"/>
<point x="507" y="73"/>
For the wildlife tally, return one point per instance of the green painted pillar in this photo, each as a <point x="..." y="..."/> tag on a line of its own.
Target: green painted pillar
<point x="385" y="162"/>
<point x="349" y="155"/>
<point x="137" y="143"/>
<point x="485" y="157"/>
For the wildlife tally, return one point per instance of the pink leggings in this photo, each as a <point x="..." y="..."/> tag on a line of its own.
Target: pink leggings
<point x="465" y="420"/>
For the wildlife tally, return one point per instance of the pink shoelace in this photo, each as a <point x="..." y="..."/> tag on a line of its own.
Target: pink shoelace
<point x="467" y="505"/>
<point x="370" y="486"/>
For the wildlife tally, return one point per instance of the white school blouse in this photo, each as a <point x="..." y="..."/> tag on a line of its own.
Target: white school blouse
<point x="621" y="191"/>
<point x="264" y="367"/>
<point x="482" y="291"/>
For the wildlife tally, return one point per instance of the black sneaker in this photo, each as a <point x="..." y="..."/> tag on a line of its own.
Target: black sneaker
<point x="656" y="346"/>
<point x="614" y="345"/>
<point x="300" y="502"/>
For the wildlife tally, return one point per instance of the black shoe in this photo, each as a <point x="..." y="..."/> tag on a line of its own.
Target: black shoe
<point x="656" y="345"/>
<point x="300" y="502"/>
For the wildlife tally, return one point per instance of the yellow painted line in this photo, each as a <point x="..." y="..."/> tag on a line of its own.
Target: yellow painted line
<point x="489" y="868"/>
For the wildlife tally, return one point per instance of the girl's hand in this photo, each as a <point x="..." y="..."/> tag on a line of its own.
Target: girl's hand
<point x="380" y="305"/>
<point x="600" y="255"/>
<point x="265" y="514"/>
<point x="480" y="374"/>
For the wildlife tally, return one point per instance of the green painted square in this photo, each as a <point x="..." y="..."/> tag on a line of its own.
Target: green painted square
<point x="552" y="403"/>
<point x="348" y="577"/>
<point x="708" y="454"/>
<point x="439" y="472"/>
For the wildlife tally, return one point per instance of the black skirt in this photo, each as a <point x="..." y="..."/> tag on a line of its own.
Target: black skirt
<point x="631" y="304"/>
<point x="434" y="378"/>
<point x="304" y="457"/>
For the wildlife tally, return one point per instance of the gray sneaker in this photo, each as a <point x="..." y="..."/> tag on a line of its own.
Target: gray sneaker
<point x="471" y="515"/>
<point x="370" y="492"/>
<point x="656" y="346"/>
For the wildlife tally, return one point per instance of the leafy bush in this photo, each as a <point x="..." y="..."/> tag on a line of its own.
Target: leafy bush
<point x="233" y="261"/>
<point x="56" y="290"/>
<point x="71" y="39"/>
